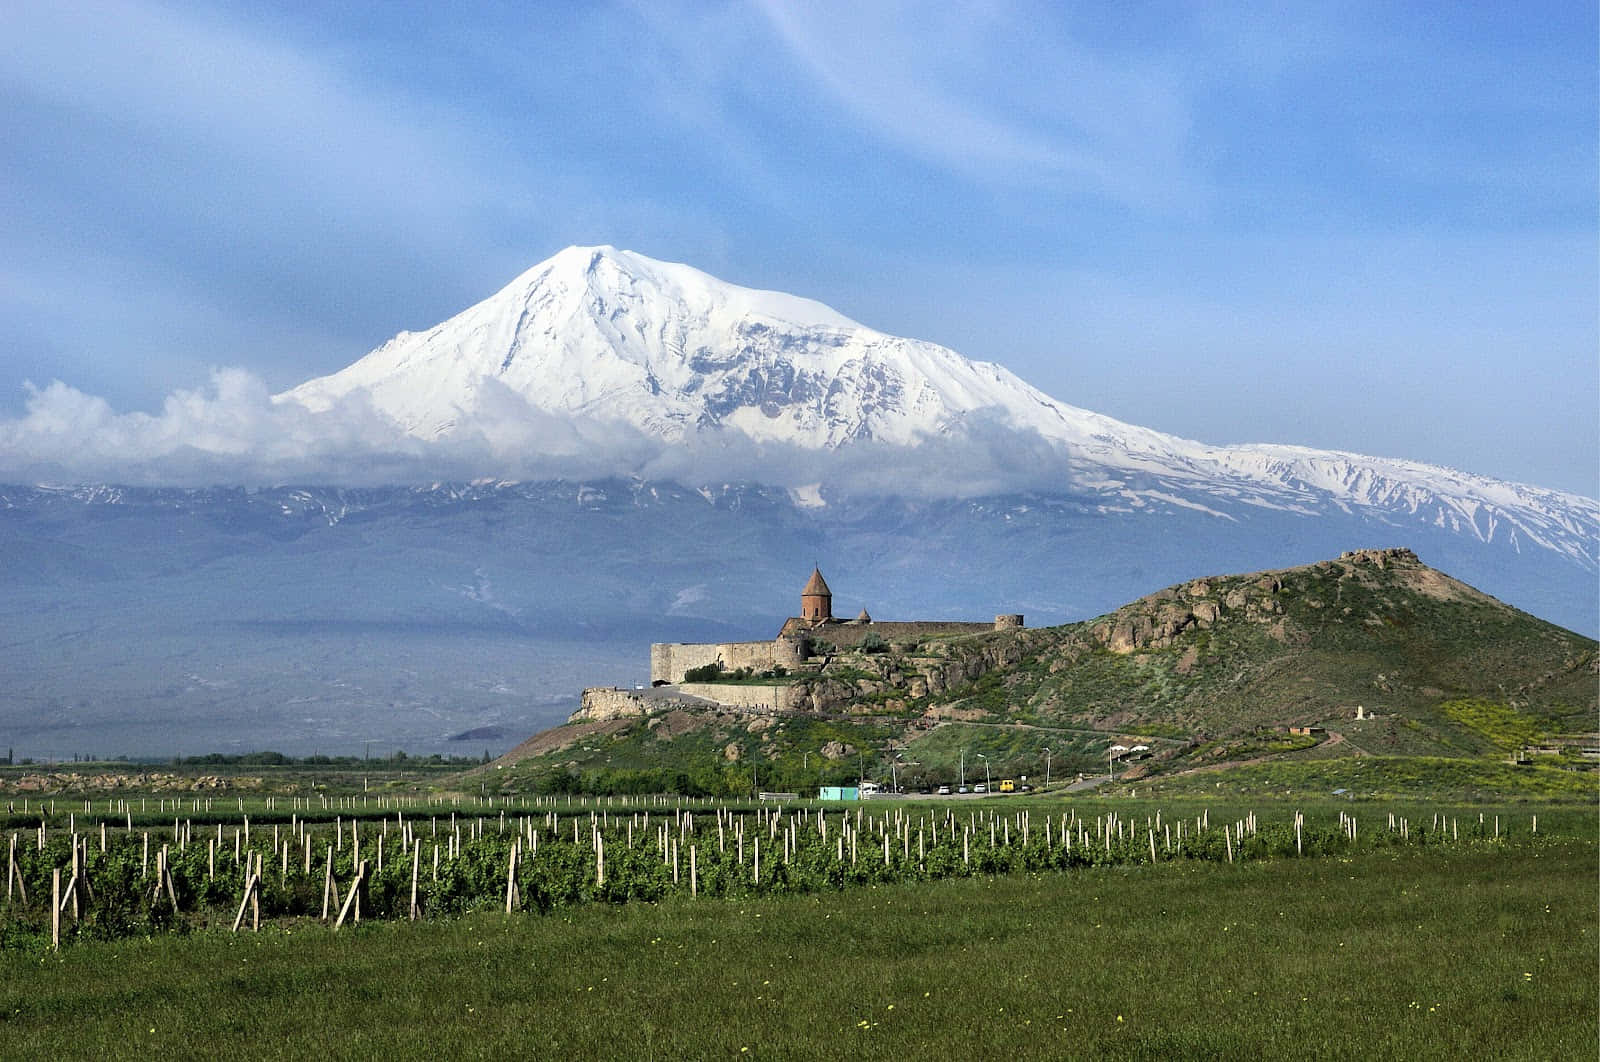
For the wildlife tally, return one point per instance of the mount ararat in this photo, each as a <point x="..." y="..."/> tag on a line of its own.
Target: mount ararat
<point x="596" y="340"/>
<point x="627" y="451"/>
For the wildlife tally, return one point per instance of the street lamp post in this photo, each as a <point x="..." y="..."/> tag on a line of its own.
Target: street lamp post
<point x="963" y="768"/>
<point x="1047" y="768"/>
<point x="1111" y="767"/>
<point x="985" y="760"/>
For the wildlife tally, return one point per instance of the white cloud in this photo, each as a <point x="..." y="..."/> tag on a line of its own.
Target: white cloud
<point x="234" y="432"/>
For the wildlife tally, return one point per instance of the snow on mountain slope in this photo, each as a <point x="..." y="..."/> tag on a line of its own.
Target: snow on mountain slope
<point x="613" y="335"/>
<point x="602" y="336"/>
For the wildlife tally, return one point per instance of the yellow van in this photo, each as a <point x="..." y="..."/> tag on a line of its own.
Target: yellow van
<point x="1008" y="785"/>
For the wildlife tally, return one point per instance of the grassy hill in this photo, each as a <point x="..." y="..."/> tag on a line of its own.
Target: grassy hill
<point x="1211" y="673"/>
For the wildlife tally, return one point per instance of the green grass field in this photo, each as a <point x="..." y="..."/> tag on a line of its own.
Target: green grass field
<point x="1405" y="952"/>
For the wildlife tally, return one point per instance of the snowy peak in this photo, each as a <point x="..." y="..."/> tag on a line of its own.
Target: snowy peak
<point x="616" y="336"/>
<point x="621" y="358"/>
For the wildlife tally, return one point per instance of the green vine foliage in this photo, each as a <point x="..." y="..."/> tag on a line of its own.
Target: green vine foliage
<point x="559" y="872"/>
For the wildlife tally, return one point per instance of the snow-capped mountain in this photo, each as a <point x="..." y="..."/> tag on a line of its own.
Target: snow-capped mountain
<point x="597" y="336"/>
<point x="615" y="336"/>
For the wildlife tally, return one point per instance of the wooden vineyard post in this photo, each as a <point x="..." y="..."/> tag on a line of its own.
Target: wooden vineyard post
<point x="1228" y="841"/>
<point x="1152" y="846"/>
<point x="416" y="865"/>
<point x="244" y="902"/>
<point x="72" y="882"/>
<point x="330" y="889"/>
<point x="511" y="880"/>
<point x="694" y="889"/>
<point x="12" y="870"/>
<point x="758" y="860"/>
<point x="352" y="899"/>
<point x="166" y="876"/>
<point x="255" y="895"/>
<point x="55" y="908"/>
<point x="1298" y="851"/>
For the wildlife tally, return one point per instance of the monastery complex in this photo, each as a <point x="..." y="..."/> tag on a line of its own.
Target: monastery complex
<point x="805" y="645"/>
<point x="804" y="641"/>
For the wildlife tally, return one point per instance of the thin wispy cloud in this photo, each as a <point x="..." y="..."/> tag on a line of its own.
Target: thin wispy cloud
<point x="995" y="94"/>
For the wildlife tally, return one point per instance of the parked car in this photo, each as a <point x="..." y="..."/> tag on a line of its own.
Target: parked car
<point x="963" y="789"/>
<point x="980" y="788"/>
<point x="944" y="790"/>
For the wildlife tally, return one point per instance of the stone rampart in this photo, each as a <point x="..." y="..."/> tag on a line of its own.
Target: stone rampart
<point x="778" y="697"/>
<point x="670" y="661"/>
<point x="600" y="704"/>
<point x="849" y="635"/>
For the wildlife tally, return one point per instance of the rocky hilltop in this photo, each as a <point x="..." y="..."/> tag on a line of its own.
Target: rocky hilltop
<point x="1390" y="655"/>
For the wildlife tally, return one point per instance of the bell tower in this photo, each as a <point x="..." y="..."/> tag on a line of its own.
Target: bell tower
<point x="816" y="600"/>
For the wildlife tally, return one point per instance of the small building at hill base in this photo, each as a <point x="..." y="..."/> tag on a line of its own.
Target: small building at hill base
<point x="838" y="792"/>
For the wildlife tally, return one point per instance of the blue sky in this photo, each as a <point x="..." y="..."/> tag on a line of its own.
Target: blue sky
<point x="1363" y="227"/>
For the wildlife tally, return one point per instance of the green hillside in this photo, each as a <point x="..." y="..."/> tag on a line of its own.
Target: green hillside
<point x="1212" y="673"/>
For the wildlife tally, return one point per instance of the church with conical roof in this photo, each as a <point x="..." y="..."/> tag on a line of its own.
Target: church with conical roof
<point x="816" y="600"/>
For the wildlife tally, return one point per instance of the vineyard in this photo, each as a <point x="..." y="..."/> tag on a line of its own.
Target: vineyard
<point x="91" y="872"/>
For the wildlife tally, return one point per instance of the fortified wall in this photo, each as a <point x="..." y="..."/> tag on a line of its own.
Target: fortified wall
<point x="601" y="704"/>
<point x="849" y="635"/>
<point x="670" y="661"/>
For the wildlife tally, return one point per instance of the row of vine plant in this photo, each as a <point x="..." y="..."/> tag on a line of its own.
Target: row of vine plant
<point x="564" y="860"/>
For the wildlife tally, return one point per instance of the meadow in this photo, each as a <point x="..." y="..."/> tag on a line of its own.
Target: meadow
<point x="1484" y="946"/>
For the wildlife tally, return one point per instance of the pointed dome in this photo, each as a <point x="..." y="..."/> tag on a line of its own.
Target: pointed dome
<point x="816" y="600"/>
<point x="863" y="618"/>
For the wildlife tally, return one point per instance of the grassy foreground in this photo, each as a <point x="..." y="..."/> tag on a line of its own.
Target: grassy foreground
<point x="1470" y="952"/>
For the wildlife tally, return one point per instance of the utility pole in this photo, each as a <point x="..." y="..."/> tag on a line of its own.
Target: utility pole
<point x="963" y="768"/>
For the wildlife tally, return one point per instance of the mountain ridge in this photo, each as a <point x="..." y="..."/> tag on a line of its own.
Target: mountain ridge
<point x="601" y="336"/>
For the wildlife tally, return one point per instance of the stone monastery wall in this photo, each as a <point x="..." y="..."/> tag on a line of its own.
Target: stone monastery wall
<point x="774" y="698"/>
<point x="669" y="661"/>
<point x="846" y="635"/>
